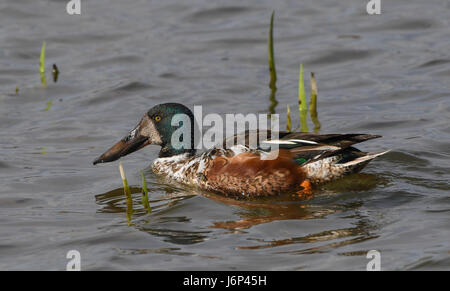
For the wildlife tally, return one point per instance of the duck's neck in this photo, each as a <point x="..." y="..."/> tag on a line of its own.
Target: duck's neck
<point x="186" y="145"/>
<point x="168" y="151"/>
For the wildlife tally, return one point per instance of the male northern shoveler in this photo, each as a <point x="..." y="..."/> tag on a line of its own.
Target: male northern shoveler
<point x="238" y="170"/>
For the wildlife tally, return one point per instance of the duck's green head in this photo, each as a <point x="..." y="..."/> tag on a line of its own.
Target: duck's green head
<point x="169" y="125"/>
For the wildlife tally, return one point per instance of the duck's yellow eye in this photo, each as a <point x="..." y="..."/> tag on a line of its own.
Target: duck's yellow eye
<point x="157" y="118"/>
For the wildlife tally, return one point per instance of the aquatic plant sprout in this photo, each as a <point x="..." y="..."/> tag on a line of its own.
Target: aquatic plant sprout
<point x="127" y="192"/>
<point x="55" y="73"/>
<point x="302" y="101"/>
<point x="302" y="107"/>
<point x="42" y="65"/>
<point x="288" y="119"/>
<point x="272" y="70"/>
<point x="313" y="104"/>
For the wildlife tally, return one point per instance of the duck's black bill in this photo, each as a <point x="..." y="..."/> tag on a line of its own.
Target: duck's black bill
<point x="124" y="147"/>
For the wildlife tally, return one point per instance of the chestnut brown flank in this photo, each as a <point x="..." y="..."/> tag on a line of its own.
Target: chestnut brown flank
<point x="247" y="174"/>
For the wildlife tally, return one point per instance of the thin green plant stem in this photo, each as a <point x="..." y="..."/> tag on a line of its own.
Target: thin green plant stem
<point x="42" y="65"/>
<point x="127" y="191"/>
<point x="288" y="119"/>
<point x="302" y="102"/>
<point x="313" y="104"/>
<point x="273" y="72"/>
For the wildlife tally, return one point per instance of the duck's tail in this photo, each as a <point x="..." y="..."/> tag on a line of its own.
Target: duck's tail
<point x="337" y="166"/>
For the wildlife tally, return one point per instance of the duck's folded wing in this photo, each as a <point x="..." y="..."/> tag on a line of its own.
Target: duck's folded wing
<point x="340" y="140"/>
<point x="304" y="145"/>
<point x="310" y="147"/>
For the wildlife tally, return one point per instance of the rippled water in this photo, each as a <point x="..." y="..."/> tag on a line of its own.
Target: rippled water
<point x="383" y="74"/>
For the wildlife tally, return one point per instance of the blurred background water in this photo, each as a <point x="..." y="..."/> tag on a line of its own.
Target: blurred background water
<point x="382" y="74"/>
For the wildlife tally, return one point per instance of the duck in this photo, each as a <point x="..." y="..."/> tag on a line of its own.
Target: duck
<point x="299" y="162"/>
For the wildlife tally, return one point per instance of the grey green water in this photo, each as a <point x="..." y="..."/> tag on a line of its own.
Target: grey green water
<point x="385" y="74"/>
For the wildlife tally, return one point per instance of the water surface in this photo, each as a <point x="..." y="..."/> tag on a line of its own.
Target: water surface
<point x="382" y="74"/>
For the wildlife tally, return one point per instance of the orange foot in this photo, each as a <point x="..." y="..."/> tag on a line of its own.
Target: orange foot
<point x="307" y="189"/>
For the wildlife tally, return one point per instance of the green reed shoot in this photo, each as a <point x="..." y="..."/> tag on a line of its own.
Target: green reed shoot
<point x="302" y="106"/>
<point x="127" y="191"/>
<point x="145" y="194"/>
<point x="42" y="59"/>
<point x="273" y="102"/>
<point x="288" y="119"/>
<point x="302" y="102"/>
<point x="313" y="104"/>
<point x="273" y="72"/>
<point x="42" y="65"/>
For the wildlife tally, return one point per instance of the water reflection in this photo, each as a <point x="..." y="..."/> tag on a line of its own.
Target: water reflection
<point x="114" y="201"/>
<point x="354" y="234"/>
<point x="274" y="209"/>
<point x="179" y="229"/>
<point x="168" y="251"/>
